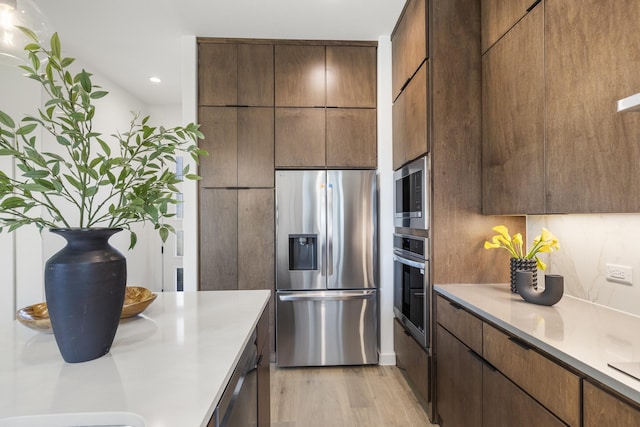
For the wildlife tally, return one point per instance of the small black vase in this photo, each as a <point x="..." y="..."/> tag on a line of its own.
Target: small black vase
<point x="526" y="265"/>
<point x="85" y="285"/>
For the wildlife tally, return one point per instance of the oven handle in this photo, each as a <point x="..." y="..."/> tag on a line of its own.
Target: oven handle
<point x="409" y="262"/>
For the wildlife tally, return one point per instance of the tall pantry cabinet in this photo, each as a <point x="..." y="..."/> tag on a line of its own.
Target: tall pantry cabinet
<point x="436" y="87"/>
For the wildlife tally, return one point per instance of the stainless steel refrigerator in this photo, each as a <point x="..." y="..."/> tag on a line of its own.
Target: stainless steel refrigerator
<point x="326" y="268"/>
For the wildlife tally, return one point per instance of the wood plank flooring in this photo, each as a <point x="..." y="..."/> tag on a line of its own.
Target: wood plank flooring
<point x="343" y="396"/>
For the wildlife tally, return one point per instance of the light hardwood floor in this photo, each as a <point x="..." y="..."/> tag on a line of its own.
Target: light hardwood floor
<point x="343" y="396"/>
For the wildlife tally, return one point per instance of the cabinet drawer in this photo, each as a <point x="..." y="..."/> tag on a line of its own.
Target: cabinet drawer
<point x="413" y="360"/>
<point x="465" y="326"/>
<point x="551" y="384"/>
<point x="604" y="409"/>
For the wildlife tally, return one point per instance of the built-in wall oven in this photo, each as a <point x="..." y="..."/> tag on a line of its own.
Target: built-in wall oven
<point x="411" y="285"/>
<point x="411" y="195"/>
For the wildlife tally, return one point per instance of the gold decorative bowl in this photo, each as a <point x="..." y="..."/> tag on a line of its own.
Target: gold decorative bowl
<point x="36" y="316"/>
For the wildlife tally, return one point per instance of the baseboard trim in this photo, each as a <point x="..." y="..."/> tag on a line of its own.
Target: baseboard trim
<point x="386" y="359"/>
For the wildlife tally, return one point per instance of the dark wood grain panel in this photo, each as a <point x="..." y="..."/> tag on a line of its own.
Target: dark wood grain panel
<point x="351" y="76"/>
<point x="458" y="228"/>
<point x="300" y="76"/>
<point x="504" y="404"/>
<point x="498" y="17"/>
<point x="300" y="137"/>
<point x="513" y="120"/>
<point x="351" y="138"/>
<point x="458" y="382"/>
<point x="552" y="385"/>
<point x="604" y="409"/>
<point x="256" y="147"/>
<point x="220" y="128"/>
<point x="256" y="246"/>
<point x="219" y="229"/>
<point x="591" y="61"/>
<point x="413" y="360"/>
<point x="264" y="371"/>
<point x="217" y="74"/>
<point x="464" y="325"/>
<point x="255" y="75"/>
<point x="409" y="44"/>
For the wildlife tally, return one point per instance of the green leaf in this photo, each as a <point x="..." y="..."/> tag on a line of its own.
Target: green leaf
<point x="29" y="33"/>
<point x="55" y="45"/>
<point x="99" y="94"/>
<point x="193" y="177"/>
<point x="67" y="61"/>
<point x="85" y="80"/>
<point x="133" y="240"/>
<point x="12" y="203"/>
<point x="26" y="130"/>
<point x="63" y="141"/>
<point x="90" y="191"/>
<point x="6" y="120"/>
<point x="164" y="233"/>
<point x="36" y="174"/>
<point x="73" y="182"/>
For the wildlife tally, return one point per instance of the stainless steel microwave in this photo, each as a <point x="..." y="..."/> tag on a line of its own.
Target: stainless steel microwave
<point x="411" y="195"/>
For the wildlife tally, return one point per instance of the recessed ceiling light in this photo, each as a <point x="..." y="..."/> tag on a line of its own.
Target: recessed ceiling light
<point x="155" y="80"/>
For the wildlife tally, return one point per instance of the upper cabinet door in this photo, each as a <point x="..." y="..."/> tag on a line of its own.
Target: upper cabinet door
<point x="591" y="61"/>
<point x="235" y="74"/>
<point x="217" y="74"/>
<point x="300" y="76"/>
<point x="220" y="128"/>
<point x="409" y="44"/>
<point x="255" y="75"/>
<point x="513" y="120"/>
<point x="351" y="76"/>
<point x="498" y="16"/>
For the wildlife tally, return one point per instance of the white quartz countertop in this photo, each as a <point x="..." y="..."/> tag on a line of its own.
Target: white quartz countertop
<point x="169" y="365"/>
<point x="582" y="334"/>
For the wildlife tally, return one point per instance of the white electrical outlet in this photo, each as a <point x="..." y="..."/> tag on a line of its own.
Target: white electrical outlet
<point x="619" y="274"/>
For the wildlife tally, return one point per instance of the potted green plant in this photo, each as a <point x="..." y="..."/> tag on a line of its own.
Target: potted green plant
<point x="86" y="187"/>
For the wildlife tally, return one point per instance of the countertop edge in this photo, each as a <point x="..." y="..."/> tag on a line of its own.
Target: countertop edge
<point x="586" y="369"/>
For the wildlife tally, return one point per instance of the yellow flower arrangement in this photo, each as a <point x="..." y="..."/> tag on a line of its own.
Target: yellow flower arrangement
<point x="545" y="242"/>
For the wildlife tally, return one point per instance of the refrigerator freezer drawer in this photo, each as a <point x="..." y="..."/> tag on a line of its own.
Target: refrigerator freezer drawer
<point x="324" y="328"/>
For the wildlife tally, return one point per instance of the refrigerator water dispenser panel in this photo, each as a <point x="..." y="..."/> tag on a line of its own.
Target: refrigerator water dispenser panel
<point x="303" y="252"/>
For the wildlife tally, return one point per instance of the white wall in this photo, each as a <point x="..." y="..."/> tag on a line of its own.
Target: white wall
<point x="587" y="243"/>
<point x="385" y="214"/>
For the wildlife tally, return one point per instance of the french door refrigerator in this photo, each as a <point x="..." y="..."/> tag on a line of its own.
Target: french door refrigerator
<point x="326" y="268"/>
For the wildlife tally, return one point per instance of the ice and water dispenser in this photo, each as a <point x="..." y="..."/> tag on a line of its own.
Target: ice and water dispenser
<point x="303" y="251"/>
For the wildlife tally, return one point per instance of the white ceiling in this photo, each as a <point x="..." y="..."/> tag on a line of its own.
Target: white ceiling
<point x="130" y="40"/>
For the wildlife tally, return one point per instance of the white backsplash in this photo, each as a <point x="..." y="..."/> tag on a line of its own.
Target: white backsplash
<point x="587" y="243"/>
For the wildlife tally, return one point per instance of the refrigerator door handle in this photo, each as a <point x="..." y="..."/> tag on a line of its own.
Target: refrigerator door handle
<point x="329" y="229"/>
<point x="319" y="296"/>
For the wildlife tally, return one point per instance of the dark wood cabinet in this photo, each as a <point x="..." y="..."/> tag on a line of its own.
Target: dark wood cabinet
<point x="300" y="76"/>
<point x="240" y="142"/>
<point x="231" y="74"/>
<point x="499" y="16"/>
<point x="513" y="120"/>
<point x="300" y="135"/>
<point x="505" y="404"/>
<point x="263" y="370"/>
<point x="351" y="76"/>
<point x="413" y="360"/>
<point x="218" y="227"/>
<point x="239" y="224"/>
<point x="409" y="44"/>
<point x="351" y="138"/>
<point x="410" y="120"/>
<point x="602" y="408"/>
<point x="458" y="382"/>
<point x="591" y="61"/>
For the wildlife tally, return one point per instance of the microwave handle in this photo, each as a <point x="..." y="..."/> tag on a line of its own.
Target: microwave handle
<point x="408" y="262"/>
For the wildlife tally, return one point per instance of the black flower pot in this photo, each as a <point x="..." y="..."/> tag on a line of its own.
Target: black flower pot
<point x="85" y="285"/>
<point x="526" y="265"/>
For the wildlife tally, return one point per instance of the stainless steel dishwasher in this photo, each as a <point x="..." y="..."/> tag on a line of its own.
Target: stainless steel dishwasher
<point x="238" y="406"/>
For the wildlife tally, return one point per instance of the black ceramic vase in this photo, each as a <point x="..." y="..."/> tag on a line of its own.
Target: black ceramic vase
<point x="85" y="285"/>
<point x="526" y="265"/>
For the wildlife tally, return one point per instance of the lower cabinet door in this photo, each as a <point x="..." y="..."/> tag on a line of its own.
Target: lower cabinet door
<point x="604" y="409"/>
<point x="458" y="382"/>
<point x="504" y="404"/>
<point x="413" y="360"/>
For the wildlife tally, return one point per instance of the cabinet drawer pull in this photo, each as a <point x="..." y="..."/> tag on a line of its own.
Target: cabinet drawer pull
<point x="535" y="3"/>
<point x="519" y="343"/>
<point x="455" y="305"/>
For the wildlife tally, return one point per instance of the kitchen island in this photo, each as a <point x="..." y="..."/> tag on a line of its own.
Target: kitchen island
<point x="169" y="365"/>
